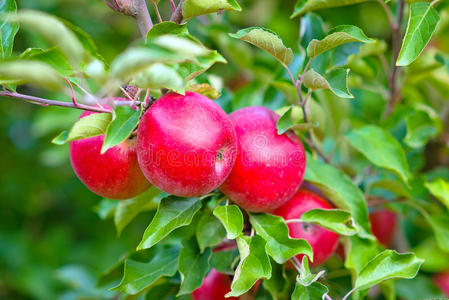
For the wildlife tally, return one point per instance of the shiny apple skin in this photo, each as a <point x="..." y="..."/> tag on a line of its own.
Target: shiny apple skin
<point x="115" y="174"/>
<point x="323" y="242"/>
<point x="269" y="167"/>
<point x="186" y="145"/>
<point x="215" y="286"/>
<point x="383" y="225"/>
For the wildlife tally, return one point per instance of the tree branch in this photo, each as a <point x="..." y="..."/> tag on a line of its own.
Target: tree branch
<point x="396" y="41"/>
<point x="47" y="102"/>
<point x="143" y="17"/>
<point x="177" y="15"/>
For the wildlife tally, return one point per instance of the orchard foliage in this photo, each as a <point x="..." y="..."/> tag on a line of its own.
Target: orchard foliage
<point x="362" y="84"/>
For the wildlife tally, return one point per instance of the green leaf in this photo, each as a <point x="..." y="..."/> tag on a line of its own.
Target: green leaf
<point x="337" y="220"/>
<point x="279" y="244"/>
<point x="191" y="70"/>
<point x="159" y="76"/>
<point x="8" y="30"/>
<point x="173" y="212"/>
<point x="193" y="8"/>
<point x="53" y="57"/>
<point x="232" y="219"/>
<point x="303" y="6"/>
<point x="61" y="138"/>
<point x="209" y="232"/>
<point x="311" y="27"/>
<point x="436" y="260"/>
<point x="380" y="148"/>
<point x="52" y="30"/>
<point x="440" y="226"/>
<point x="306" y="277"/>
<point x="361" y="251"/>
<point x="336" y="80"/>
<point x="137" y="59"/>
<point x="33" y="72"/>
<point x="422" y="22"/>
<point x="193" y="265"/>
<point x="127" y="210"/>
<point x="89" y="126"/>
<point x="105" y="209"/>
<point x="288" y="90"/>
<point x="204" y="89"/>
<point x="338" y="187"/>
<point x="124" y="121"/>
<point x="387" y="265"/>
<point x="140" y="275"/>
<point x="254" y="264"/>
<point x="223" y="260"/>
<point x="440" y="189"/>
<point x="279" y="285"/>
<point x="423" y="124"/>
<point x="267" y="40"/>
<point x="286" y="123"/>
<point x="85" y="40"/>
<point x="314" y="291"/>
<point x="337" y="36"/>
<point x="168" y="28"/>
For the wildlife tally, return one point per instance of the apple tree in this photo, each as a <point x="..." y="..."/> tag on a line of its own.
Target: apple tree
<point x="276" y="149"/>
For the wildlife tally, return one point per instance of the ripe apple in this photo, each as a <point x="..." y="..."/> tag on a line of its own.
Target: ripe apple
<point x="442" y="281"/>
<point x="269" y="167"/>
<point x="215" y="286"/>
<point x="186" y="145"/>
<point x="383" y="225"/>
<point x="322" y="241"/>
<point x="115" y="174"/>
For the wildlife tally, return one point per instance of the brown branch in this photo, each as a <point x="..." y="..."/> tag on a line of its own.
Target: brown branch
<point x="143" y="17"/>
<point x="396" y="41"/>
<point x="177" y="15"/>
<point x="47" y="102"/>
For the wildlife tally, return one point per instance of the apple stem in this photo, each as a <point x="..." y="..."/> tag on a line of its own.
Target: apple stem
<point x="177" y="14"/>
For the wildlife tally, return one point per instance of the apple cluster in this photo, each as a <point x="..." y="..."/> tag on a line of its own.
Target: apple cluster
<point x="187" y="146"/>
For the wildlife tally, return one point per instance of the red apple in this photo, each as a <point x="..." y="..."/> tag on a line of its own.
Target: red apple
<point x="215" y="286"/>
<point x="322" y="241"/>
<point x="383" y="225"/>
<point x="115" y="174"/>
<point x="269" y="167"/>
<point x="186" y="145"/>
<point x="442" y="281"/>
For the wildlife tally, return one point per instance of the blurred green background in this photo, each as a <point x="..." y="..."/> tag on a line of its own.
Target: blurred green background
<point x="53" y="244"/>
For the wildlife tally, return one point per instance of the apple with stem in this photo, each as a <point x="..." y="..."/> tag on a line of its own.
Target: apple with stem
<point x="186" y="145"/>
<point x="115" y="174"/>
<point x="269" y="167"/>
<point x="323" y="241"/>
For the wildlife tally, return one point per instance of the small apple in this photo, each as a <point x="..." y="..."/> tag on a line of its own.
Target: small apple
<point x="186" y="145"/>
<point x="269" y="167"/>
<point x="215" y="286"/>
<point x="115" y="174"/>
<point x="383" y="225"/>
<point x="442" y="281"/>
<point x="322" y="241"/>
